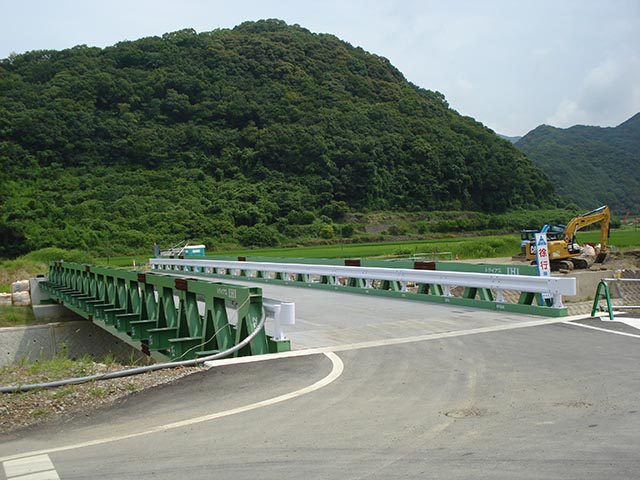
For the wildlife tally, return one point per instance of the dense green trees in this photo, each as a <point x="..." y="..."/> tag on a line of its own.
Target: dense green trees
<point x="591" y="166"/>
<point x="248" y="135"/>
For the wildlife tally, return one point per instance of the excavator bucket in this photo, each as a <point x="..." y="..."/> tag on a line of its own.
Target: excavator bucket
<point x="601" y="257"/>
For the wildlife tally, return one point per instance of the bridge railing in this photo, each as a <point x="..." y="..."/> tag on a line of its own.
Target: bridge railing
<point x="484" y="290"/>
<point x="160" y="314"/>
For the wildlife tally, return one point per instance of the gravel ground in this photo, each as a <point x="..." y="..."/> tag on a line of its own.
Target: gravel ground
<point x="23" y="410"/>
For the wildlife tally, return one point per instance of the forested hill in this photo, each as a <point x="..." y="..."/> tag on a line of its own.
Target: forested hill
<point x="590" y="166"/>
<point x="255" y="130"/>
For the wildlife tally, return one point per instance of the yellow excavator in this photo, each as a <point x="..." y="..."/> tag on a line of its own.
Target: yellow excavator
<point x="565" y="253"/>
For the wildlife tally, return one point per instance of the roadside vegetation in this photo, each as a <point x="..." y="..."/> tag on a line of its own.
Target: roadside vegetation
<point x="467" y="246"/>
<point x="626" y="238"/>
<point x="20" y="410"/>
<point x="12" y="316"/>
<point x="36" y="263"/>
<point x="443" y="249"/>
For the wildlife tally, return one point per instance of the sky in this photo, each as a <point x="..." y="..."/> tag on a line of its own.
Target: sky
<point x="510" y="64"/>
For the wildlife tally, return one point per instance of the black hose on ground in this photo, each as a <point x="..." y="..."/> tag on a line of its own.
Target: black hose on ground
<point x="138" y="370"/>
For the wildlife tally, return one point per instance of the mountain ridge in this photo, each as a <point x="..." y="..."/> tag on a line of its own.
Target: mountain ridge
<point x="252" y="132"/>
<point x="590" y="166"/>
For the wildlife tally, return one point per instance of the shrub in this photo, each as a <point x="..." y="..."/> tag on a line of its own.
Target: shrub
<point x="397" y="230"/>
<point x="296" y="217"/>
<point x="421" y="228"/>
<point x="326" y="231"/>
<point x="259" y="235"/>
<point x="347" y="231"/>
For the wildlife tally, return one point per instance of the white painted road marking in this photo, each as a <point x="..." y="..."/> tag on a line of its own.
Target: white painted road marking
<point x="37" y="467"/>
<point x="615" y="332"/>
<point x="632" y="322"/>
<point x="336" y="371"/>
<point x="392" y="341"/>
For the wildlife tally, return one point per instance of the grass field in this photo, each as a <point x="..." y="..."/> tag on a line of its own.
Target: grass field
<point x="464" y="247"/>
<point x="620" y="239"/>
<point x="16" y="316"/>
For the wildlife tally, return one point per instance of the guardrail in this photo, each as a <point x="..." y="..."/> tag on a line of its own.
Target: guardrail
<point x="603" y="289"/>
<point x="408" y="263"/>
<point x="482" y="290"/>
<point x="140" y="309"/>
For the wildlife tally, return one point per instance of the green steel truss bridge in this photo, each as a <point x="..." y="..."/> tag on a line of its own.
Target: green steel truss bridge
<point x="167" y="317"/>
<point x="184" y="309"/>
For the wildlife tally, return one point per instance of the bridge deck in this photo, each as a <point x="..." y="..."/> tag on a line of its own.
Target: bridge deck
<point x="330" y="319"/>
<point x="556" y="399"/>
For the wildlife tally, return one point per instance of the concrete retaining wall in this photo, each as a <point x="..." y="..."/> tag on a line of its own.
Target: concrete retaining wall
<point x="71" y="338"/>
<point x="587" y="283"/>
<point x="67" y="333"/>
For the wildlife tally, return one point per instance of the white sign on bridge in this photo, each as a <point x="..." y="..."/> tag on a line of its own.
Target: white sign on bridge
<point x="542" y="258"/>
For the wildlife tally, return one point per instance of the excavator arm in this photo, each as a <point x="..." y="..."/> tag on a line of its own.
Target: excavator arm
<point x="602" y="215"/>
<point x="564" y="252"/>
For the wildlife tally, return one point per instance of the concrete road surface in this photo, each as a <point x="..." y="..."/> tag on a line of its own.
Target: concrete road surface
<point x="394" y="389"/>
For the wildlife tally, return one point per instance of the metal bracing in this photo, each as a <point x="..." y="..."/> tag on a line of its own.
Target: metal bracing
<point x="428" y="285"/>
<point x="160" y="314"/>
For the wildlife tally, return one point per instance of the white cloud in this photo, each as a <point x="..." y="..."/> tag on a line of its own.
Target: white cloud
<point x="608" y="94"/>
<point x="565" y="114"/>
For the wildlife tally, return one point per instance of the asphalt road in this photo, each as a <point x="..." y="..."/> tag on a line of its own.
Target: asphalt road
<point x="470" y="396"/>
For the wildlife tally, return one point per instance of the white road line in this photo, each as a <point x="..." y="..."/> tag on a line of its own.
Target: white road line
<point x="632" y="322"/>
<point x="389" y="341"/>
<point x="336" y="371"/>
<point x="615" y="332"/>
<point x="451" y="334"/>
<point x="38" y="467"/>
<point x="48" y="475"/>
